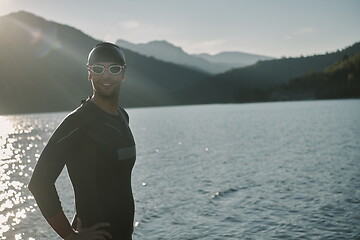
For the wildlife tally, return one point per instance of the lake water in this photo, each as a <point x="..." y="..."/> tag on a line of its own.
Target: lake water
<point x="285" y="170"/>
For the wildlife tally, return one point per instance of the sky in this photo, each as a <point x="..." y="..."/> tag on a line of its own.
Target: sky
<point x="277" y="28"/>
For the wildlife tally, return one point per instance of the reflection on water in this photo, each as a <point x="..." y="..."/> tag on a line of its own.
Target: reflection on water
<point x="12" y="164"/>
<point x="19" y="146"/>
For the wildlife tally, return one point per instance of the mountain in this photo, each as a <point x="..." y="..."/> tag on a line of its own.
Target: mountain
<point x="258" y="81"/>
<point x="340" y="80"/>
<point x="165" y="51"/>
<point x="43" y="68"/>
<point x="234" y="59"/>
<point x="213" y="64"/>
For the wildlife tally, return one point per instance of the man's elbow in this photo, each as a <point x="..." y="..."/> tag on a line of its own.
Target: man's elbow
<point x="34" y="185"/>
<point x="31" y="186"/>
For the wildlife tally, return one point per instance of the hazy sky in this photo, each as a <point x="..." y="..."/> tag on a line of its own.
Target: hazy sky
<point x="269" y="27"/>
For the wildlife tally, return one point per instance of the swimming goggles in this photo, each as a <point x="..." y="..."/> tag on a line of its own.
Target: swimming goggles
<point x="100" y="69"/>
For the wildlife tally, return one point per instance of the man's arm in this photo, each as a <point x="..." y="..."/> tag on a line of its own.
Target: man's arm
<point x="61" y="225"/>
<point x="47" y="170"/>
<point x="64" y="142"/>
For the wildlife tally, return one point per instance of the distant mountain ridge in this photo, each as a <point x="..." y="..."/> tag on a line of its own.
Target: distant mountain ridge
<point x="256" y="82"/>
<point x="213" y="64"/>
<point x="234" y="58"/>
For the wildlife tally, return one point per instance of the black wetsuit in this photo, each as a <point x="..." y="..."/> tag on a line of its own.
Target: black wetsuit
<point x="98" y="150"/>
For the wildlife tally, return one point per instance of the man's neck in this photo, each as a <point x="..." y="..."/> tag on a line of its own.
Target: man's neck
<point x="109" y="105"/>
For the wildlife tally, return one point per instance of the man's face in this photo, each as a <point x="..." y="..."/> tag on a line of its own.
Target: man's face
<point x="106" y="84"/>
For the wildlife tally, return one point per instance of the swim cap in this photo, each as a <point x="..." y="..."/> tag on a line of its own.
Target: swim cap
<point x="106" y="52"/>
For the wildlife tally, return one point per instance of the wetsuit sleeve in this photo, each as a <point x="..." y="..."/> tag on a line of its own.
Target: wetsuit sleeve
<point x="63" y="142"/>
<point x="61" y="225"/>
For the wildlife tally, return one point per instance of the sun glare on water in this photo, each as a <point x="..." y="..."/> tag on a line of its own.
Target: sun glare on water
<point x="6" y="126"/>
<point x="12" y="177"/>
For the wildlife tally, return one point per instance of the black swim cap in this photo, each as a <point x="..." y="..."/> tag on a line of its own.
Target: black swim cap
<point x="106" y="52"/>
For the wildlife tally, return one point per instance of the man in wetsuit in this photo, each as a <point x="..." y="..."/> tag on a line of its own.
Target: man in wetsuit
<point x="96" y="145"/>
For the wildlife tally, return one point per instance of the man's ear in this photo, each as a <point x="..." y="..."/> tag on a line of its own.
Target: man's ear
<point x="89" y="75"/>
<point x="123" y="76"/>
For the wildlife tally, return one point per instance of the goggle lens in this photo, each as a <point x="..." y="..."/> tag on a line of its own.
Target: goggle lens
<point x="115" y="69"/>
<point x="98" y="69"/>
